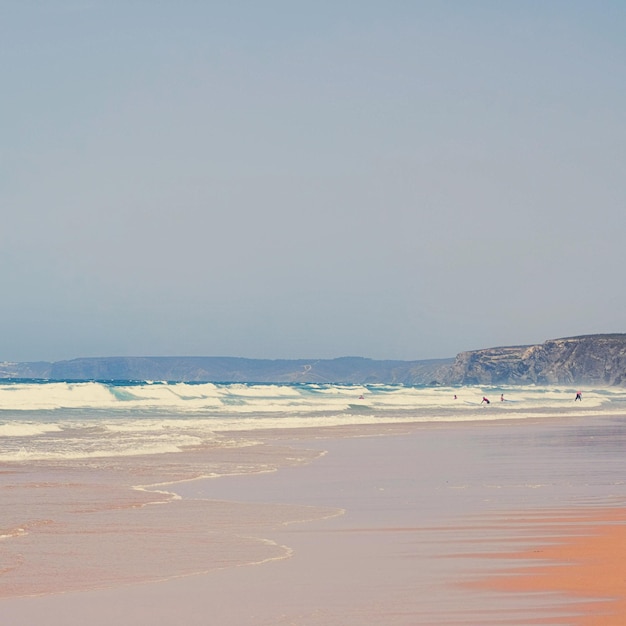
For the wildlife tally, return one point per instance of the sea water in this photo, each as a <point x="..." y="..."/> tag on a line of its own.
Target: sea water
<point x="47" y="420"/>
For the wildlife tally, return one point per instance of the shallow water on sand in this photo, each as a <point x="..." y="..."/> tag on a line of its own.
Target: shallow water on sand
<point x="416" y="501"/>
<point x="425" y="510"/>
<point x="70" y="525"/>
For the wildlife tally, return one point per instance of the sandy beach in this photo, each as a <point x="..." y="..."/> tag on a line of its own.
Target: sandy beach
<point x="511" y="522"/>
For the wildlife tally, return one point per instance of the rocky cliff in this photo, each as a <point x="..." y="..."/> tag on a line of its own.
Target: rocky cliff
<point x="590" y="360"/>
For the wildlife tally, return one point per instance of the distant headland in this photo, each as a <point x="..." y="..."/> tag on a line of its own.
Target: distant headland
<point x="598" y="360"/>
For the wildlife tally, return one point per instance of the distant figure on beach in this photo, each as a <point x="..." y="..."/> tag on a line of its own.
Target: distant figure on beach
<point x="501" y="397"/>
<point x="455" y="396"/>
<point x="579" y="396"/>
<point x="485" y="400"/>
<point x="361" y="397"/>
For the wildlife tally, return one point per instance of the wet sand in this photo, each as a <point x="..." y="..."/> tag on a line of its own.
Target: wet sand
<point x="449" y="524"/>
<point x="581" y="554"/>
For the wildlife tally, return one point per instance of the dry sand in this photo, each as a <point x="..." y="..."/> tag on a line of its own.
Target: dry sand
<point x="451" y="524"/>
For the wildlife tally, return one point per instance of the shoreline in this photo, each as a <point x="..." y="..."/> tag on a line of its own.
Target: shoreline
<point x="419" y="504"/>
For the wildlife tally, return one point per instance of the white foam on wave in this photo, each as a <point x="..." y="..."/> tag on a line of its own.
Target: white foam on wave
<point x="262" y="391"/>
<point x="49" y="396"/>
<point x="261" y="398"/>
<point x="91" y="450"/>
<point x="87" y="420"/>
<point x="27" y="429"/>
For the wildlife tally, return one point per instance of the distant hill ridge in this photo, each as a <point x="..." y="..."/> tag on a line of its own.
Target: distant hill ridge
<point x="355" y="370"/>
<point x="598" y="360"/>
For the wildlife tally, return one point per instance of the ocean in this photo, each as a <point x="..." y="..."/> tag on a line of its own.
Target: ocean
<point x="64" y="420"/>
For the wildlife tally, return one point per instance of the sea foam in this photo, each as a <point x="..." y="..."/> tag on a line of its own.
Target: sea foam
<point x="69" y="419"/>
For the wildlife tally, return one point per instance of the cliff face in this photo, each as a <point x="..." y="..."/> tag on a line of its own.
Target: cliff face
<point x="590" y="360"/>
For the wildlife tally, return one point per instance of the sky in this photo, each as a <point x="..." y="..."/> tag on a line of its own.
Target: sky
<point x="309" y="179"/>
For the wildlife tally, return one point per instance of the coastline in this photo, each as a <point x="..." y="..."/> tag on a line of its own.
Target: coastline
<point x="418" y="530"/>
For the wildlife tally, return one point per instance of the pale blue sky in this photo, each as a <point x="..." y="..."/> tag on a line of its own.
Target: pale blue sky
<point x="388" y="179"/>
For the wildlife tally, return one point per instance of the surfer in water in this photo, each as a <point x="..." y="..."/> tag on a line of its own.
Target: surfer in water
<point x="579" y="396"/>
<point x="485" y="400"/>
